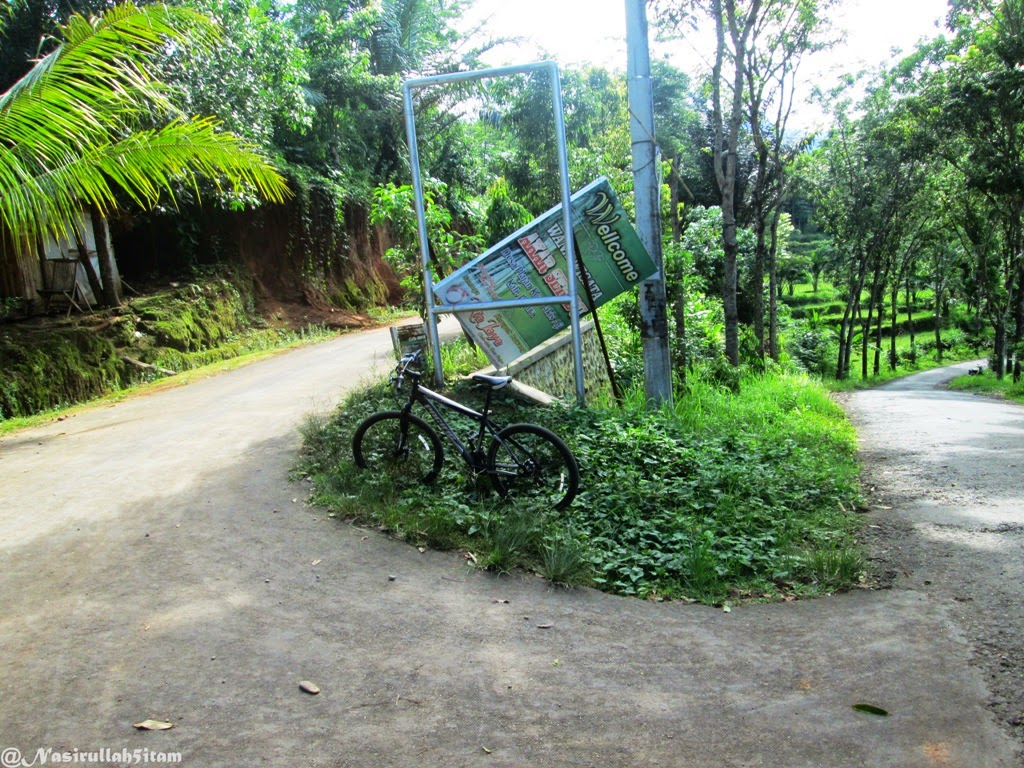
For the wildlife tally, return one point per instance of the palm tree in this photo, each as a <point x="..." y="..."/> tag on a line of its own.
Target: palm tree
<point x="72" y="135"/>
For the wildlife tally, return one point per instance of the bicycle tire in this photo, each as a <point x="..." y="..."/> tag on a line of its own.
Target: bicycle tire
<point x="403" y="446"/>
<point x="529" y="461"/>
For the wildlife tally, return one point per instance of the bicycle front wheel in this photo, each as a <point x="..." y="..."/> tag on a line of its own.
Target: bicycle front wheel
<point x="403" y="447"/>
<point x="529" y="461"/>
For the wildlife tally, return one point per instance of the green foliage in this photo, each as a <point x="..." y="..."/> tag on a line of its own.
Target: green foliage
<point x="703" y="239"/>
<point x="459" y="358"/>
<point x="449" y="248"/>
<point x="70" y="125"/>
<point x="11" y="307"/>
<point x="252" y="81"/>
<point x="812" y="347"/>
<point x="728" y="495"/>
<point x="504" y="215"/>
<point x="357" y="53"/>
<point x="516" y="135"/>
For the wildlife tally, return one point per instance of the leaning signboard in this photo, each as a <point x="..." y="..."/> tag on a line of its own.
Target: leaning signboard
<point x="531" y="263"/>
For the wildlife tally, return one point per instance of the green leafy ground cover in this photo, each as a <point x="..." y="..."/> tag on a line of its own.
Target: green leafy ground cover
<point x="727" y="496"/>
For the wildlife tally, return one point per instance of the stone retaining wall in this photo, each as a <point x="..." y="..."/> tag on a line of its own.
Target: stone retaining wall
<point x="549" y="367"/>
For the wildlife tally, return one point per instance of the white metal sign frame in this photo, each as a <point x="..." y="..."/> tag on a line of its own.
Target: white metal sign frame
<point x="433" y="309"/>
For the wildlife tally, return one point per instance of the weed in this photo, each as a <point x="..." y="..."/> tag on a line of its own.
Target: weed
<point x="701" y="580"/>
<point x="703" y="500"/>
<point x="509" y="538"/>
<point x="834" y="566"/>
<point x="564" y="560"/>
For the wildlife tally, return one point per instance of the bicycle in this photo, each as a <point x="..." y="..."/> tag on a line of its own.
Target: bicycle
<point x="522" y="460"/>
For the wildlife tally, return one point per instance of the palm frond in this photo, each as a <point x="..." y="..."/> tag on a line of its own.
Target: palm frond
<point x="144" y="165"/>
<point x="68" y="128"/>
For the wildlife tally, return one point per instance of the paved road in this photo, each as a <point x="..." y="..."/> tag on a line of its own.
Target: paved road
<point x="948" y="469"/>
<point x="156" y="562"/>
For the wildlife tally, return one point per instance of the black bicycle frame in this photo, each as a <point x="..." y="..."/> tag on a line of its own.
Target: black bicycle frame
<point x="424" y="396"/>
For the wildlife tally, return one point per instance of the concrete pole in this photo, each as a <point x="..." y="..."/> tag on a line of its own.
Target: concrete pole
<point x="646" y="186"/>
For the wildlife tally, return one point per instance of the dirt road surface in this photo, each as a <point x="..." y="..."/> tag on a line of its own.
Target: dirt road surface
<point x="157" y="563"/>
<point x="947" y="471"/>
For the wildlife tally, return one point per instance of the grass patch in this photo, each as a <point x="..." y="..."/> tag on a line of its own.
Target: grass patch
<point x="988" y="384"/>
<point x="726" y="496"/>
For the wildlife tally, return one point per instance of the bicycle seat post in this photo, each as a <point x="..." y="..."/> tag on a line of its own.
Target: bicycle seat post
<point x="487" y="402"/>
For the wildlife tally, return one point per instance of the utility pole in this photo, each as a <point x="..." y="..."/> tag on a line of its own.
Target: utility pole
<point x="653" y="310"/>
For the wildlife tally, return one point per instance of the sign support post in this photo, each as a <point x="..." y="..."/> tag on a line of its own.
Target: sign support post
<point x="428" y="285"/>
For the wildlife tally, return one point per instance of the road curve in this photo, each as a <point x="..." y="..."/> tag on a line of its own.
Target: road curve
<point x="157" y="563"/>
<point x="947" y="469"/>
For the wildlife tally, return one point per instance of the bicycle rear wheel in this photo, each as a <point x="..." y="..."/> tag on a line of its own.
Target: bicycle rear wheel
<point x="529" y="461"/>
<point x="404" y="447"/>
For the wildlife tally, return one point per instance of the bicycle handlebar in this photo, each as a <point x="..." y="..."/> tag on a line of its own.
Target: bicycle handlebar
<point x="411" y="359"/>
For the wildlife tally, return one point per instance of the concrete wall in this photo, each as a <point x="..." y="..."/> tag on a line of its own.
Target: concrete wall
<point x="549" y="367"/>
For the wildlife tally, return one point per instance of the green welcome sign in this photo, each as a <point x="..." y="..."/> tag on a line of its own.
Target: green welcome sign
<point x="531" y="264"/>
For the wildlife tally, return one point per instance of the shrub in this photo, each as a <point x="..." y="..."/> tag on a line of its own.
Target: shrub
<point x="812" y="348"/>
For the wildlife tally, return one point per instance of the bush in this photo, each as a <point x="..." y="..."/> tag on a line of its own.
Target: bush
<point x="813" y="349"/>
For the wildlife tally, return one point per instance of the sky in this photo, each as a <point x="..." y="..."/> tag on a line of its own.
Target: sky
<point x="578" y="31"/>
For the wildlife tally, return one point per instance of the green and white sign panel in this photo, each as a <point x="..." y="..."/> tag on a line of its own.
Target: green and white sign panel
<point x="532" y="264"/>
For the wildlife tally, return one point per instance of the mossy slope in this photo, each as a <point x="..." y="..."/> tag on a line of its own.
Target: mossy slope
<point x="54" y="363"/>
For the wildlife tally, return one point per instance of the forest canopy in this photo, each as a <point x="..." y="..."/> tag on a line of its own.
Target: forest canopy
<point x="903" y="217"/>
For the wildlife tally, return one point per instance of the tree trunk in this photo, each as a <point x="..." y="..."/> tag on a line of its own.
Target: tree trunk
<point x="679" y="304"/>
<point x="727" y="130"/>
<point x="674" y="217"/>
<point x="999" y="358"/>
<point x="110" y="285"/>
<point x="858" y="315"/>
<point x="845" y="336"/>
<point x="850" y="311"/>
<point x="1018" y="333"/>
<point x="879" y="301"/>
<point x="773" y="288"/>
<point x="757" y="278"/>
<point x="866" y="326"/>
<point x="893" y="357"/>
<point x="83" y="258"/>
<point x="911" y="300"/>
<point x="679" y="315"/>
<point x="729" y="298"/>
<point x="865" y="339"/>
